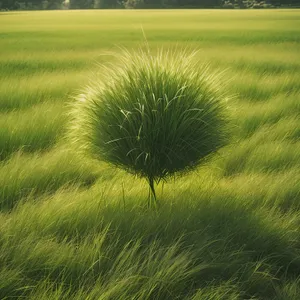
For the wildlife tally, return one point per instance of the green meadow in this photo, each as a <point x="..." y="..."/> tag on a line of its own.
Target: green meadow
<point x="71" y="228"/>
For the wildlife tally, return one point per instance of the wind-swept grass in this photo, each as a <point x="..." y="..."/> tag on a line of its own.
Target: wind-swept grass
<point x="36" y="128"/>
<point x="72" y="230"/>
<point x="254" y="117"/>
<point x="23" y="92"/>
<point x="82" y="227"/>
<point x="24" y="175"/>
<point x="30" y="67"/>
<point x="270" y="189"/>
<point x="267" y="87"/>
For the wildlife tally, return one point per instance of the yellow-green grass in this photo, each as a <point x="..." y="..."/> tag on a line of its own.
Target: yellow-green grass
<point x="77" y="229"/>
<point x="32" y="129"/>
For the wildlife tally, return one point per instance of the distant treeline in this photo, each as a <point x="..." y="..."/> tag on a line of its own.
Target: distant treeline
<point x="140" y="4"/>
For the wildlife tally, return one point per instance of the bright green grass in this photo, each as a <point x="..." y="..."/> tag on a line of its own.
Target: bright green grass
<point x="71" y="229"/>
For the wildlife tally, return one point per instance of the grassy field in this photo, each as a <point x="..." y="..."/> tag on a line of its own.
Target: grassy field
<point x="72" y="229"/>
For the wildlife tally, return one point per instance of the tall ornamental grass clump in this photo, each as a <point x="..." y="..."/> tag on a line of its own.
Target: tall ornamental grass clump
<point x="152" y="115"/>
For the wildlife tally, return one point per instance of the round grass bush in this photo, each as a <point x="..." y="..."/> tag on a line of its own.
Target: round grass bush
<point x="152" y="115"/>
